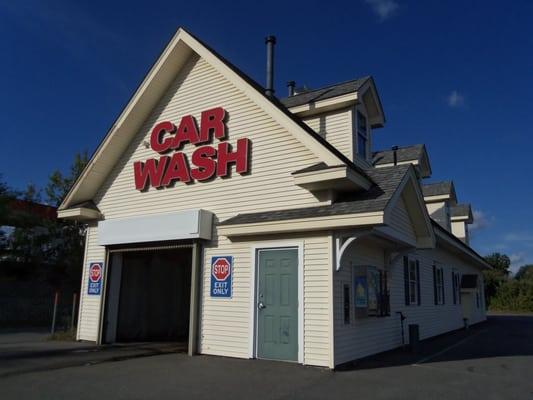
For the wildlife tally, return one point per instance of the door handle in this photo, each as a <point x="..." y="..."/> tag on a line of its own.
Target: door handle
<point x="261" y="305"/>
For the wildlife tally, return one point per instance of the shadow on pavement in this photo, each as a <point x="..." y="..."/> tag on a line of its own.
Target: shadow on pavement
<point x="499" y="336"/>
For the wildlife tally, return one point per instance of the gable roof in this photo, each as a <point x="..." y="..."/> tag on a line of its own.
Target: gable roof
<point x="380" y="199"/>
<point x="407" y="153"/>
<point x="325" y="92"/>
<point x="462" y="212"/>
<point x="178" y="50"/>
<point x="386" y="182"/>
<point x="439" y="189"/>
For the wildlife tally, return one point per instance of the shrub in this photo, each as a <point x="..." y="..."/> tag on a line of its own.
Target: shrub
<point x="514" y="295"/>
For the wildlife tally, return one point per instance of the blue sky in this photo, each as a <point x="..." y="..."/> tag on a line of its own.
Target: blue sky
<point x="455" y="75"/>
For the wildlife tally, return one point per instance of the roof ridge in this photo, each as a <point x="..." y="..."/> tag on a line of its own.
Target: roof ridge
<point x="329" y="86"/>
<point x="400" y="148"/>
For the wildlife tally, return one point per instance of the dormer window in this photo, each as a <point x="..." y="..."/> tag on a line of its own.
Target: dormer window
<point x="362" y="135"/>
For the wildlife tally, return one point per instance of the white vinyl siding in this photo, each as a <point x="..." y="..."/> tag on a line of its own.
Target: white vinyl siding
<point x="225" y="327"/>
<point x="275" y="154"/>
<point x="366" y="336"/>
<point x="90" y="305"/>
<point x="401" y="221"/>
<point x="336" y="127"/>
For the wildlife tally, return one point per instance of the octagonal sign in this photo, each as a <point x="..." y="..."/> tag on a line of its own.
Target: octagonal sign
<point x="94" y="285"/>
<point x="221" y="276"/>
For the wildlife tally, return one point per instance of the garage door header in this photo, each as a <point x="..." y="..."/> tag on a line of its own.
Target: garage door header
<point x="190" y="224"/>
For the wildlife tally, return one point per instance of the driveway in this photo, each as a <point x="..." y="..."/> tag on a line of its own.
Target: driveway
<point x="493" y="360"/>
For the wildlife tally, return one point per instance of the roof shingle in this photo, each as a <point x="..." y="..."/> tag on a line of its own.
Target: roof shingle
<point x="438" y="188"/>
<point x="407" y="153"/>
<point x="376" y="198"/>
<point x="324" y="93"/>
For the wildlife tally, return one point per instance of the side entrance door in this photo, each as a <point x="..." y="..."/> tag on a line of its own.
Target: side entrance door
<point x="277" y="304"/>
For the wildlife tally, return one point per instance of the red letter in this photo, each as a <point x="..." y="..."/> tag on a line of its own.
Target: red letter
<point x="158" y="131"/>
<point x="202" y="158"/>
<point x="177" y="170"/>
<point x="149" y="173"/>
<point x="212" y="122"/>
<point x="187" y="132"/>
<point x="239" y="157"/>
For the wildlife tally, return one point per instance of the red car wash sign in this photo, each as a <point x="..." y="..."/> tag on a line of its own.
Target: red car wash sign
<point x="206" y="162"/>
<point x="96" y="270"/>
<point x="221" y="271"/>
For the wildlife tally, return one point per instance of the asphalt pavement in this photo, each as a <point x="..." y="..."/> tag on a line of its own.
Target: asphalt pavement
<point x="493" y="360"/>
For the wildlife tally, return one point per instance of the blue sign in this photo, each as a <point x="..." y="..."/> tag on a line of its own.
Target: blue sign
<point x="96" y="272"/>
<point x="361" y="292"/>
<point x="221" y="270"/>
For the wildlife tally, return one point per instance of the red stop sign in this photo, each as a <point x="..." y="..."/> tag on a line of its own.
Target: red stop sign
<point x="95" y="272"/>
<point x="221" y="269"/>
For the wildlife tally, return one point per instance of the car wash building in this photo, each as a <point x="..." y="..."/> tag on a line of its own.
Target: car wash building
<point x="244" y="225"/>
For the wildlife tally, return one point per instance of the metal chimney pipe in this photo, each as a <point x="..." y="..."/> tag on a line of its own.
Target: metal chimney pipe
<point x="270" y="42"/>
<point x="291" y="85"/>
<point x="395" y="154"/>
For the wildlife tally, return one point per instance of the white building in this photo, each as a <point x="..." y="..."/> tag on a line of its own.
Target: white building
<point x="252" y="227"/>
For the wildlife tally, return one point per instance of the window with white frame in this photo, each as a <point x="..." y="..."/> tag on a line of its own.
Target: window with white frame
<point x="438" y="276"/>
<point x="413" y="282"/>
<point x="411" y="277"/>
<point x="362" y="135"/>
<point x="456" y="287"/>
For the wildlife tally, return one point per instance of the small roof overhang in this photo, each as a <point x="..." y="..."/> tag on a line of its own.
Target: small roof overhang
<point x="416" y="155"/>
<point x="83" y="214"/>
<point x="339" y="178"/>
<point x="462" y="213"/>
<point x="439" y="191"/>
<point x="339" y="96"/>
<point x="302" y="224"/>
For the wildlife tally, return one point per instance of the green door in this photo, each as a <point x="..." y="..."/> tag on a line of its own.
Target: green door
<point x="277" y="304"/>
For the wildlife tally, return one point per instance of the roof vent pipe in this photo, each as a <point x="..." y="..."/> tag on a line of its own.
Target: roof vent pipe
<point x="291" y="85"/>
<point x="395" y="154"/>
<point x="270" y="42"/>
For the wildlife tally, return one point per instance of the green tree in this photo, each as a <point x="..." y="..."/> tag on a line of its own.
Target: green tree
<point x="525" y="273"/>
<point x="496" y="276"/>
<point x="500" y="262"/>
<point x="59" y="184"/>
<point x="514" y="295"/>
<point x="65" y="238"/>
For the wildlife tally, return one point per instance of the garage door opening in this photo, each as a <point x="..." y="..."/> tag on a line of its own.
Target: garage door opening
<point x="148" y="296"/>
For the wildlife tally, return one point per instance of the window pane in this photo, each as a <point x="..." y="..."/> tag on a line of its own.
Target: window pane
<point x="361" y="146"/>
<point x="412" y="291"/>
<point x="361" y="122"/>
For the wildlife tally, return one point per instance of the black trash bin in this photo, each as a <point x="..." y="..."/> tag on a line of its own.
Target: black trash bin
<point x="414" y="338"/>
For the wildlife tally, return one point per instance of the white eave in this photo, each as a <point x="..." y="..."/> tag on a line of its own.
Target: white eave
<point x="302" y="224"/>
<point x="340" y="178"/>
<point x="320" y="106"/>
<point x="79" y="214"/>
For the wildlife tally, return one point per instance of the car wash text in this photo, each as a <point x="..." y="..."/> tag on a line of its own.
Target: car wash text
<point x="207" y="161"/>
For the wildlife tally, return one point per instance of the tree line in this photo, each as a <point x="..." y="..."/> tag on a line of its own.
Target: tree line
<point x="34" y="246"/>
<point x="504" y="292"/>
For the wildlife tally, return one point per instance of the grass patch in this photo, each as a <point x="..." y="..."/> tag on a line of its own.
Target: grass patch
<point x="69" y="336"/>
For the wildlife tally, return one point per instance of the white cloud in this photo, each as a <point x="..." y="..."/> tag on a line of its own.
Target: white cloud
<point x="384" y="9"/>
<point x="522" y="237"/>
<point x="455" y="99"/>
<point x="481" y="221"/>
<point x="517" y="258"/>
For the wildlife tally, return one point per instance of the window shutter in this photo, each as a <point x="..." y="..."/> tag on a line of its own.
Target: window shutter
<point x="443" y="286"/>
<point x="454" y="290"/>
<point x="435" y="288"/>
<point x="406" y="278"/>
<point x="418" y="281"/>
